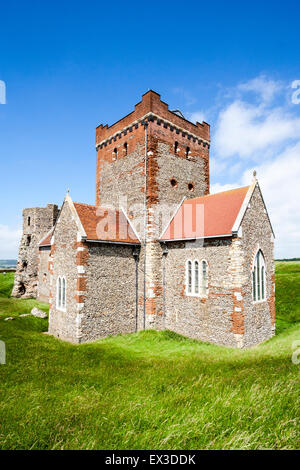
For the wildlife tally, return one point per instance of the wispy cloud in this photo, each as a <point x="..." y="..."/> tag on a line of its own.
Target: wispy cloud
<point x="263" y="87"/>
<point x="187" y="96"/>
<point x="257" y="129"/>
<point x="247" y="129"/>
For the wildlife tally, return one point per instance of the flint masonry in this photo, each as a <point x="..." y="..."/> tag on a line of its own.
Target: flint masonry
<point x="157" y="250"/>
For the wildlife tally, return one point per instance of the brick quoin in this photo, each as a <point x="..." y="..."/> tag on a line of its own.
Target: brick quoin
<point x="271" y="301"/>
<point x="237" y="316"/>
<point x="82" y="257"/>
<point x="81" y="284"/>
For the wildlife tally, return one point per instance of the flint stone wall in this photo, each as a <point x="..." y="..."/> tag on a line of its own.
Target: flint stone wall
<point x="110" y="299"/>
<point x="257" y="234"/>
<point x="207" y="319"/>
<point x="63" y="263"/>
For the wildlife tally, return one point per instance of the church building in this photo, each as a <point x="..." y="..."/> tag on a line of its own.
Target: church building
<point x="157" y="250"/>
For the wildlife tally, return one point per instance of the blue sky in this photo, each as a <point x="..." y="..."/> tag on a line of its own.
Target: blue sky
<point x="69" y="66"/>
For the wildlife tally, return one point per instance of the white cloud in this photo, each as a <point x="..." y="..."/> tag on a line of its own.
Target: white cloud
<point x="246" y="129"/>
<point x="258" y="129"/>
<point x="262" y="86"/>
<point x="279" y="181"/>
<point x="9" y="242"/>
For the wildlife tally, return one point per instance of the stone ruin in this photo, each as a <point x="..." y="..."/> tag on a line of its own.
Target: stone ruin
<point x="37" y="222"/>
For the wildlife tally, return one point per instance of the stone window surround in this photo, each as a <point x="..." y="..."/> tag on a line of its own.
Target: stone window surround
<point x="254" y="264"/>
<point x="60" y="307"/>
<point x="200" y="278"/>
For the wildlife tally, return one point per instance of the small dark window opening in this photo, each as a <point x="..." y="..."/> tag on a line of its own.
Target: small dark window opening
<point x="28" y="240"/>
<point x="115" y="153"/>
<point x="21" y="288"/>
<point x="191" y="187"/>
<point x="187" y="151"/>
<point x="175" y="147"/>
<point x="24" y="264"/>
<point x="28" y="221"/>
<point x="173" y="182"/>
<point x="125" y="148"/>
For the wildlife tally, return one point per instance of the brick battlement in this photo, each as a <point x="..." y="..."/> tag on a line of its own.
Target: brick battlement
<point x="152" y="108"/>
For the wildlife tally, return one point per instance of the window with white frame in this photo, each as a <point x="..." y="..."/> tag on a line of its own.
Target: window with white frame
<point x="259" y="278"/>
<point x="196" y="278"/>
<point x="61" y="293"/>
<point x="204" y="279"/>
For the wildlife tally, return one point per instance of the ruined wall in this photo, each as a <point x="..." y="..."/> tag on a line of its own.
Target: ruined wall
<point x="259" y="317"/>
<point x="43" y="288"/>
<point x="37" y="221"/>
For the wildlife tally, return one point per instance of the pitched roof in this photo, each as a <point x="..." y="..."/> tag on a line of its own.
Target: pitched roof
<point x="105" y="224"/>
<point x="208" y="216"/>
<point x="46" y="241"/>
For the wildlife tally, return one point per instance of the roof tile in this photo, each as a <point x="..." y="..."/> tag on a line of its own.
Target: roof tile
<point x="105" y="224"/>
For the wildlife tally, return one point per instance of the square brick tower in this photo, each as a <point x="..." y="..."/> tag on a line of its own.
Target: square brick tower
<point x="147" y="162"/>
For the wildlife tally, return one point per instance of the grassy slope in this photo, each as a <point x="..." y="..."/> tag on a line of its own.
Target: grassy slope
<point x="149" y="390"/>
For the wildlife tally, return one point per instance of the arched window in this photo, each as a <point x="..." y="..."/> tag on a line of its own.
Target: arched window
<point x="63" y="297"/>
<point x="196" y="278"/>
<point x="204" y="283"/>
<point x="187" y="152"/>
<point x="189" y="277"/>
<point x="175" y="147"/>
<point x="61" y="293"/>
<point x="115" y="153"/>
<point x="125" y="148"/>
<point x="259" y="278"/>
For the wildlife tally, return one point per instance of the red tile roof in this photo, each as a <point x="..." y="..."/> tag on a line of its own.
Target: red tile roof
<point x="207" y="216"/>
<point x="46" y="241"/>
<point x="105" y="224"/>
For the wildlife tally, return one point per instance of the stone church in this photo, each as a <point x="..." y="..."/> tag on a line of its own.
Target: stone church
<point x="157" y="250"/>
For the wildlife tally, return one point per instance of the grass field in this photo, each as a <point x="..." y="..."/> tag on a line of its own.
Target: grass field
<point x="150" y="390"/>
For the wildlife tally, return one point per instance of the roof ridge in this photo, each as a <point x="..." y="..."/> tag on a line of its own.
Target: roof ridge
<point x="215" y="194"/>
<point x="84" y="204"/>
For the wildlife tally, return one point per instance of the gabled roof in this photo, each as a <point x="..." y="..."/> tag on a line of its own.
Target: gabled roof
<point x="209" y="216"/>
<point x="101" y="224"/>
<point x="46" y="240"/>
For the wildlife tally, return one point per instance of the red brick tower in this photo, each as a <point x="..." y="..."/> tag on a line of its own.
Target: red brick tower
<point x="174" y="154"/>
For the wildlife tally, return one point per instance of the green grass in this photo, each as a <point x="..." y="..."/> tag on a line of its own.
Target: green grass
<point x="287" y="294"/>
<point x="150" y="390"/>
